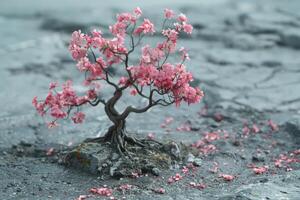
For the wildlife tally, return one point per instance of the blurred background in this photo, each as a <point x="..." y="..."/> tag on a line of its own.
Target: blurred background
<point x="243" y="54"/>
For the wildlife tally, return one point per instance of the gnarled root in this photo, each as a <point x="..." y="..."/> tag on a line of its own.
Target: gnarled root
<point x="120" y="140"/>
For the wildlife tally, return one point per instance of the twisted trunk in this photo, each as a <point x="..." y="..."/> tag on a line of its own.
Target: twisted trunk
<point x="116" y="134"/>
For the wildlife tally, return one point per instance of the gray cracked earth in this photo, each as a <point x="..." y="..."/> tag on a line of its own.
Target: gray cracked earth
<point x="244" y="55"/>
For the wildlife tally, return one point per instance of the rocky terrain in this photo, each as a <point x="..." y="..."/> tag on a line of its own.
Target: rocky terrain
<point x="244" y="55"/>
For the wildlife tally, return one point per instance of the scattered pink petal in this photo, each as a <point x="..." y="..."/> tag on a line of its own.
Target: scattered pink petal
<point x="175" y="178"/>
<point x="102" y="191"/>
<point x="260" y="170"/>
<point x="227" y="177"/>
<point x="273" y="125"/>
<point x="284" y="160"/>
<point x="198" y="143"/>
<point x="198" y="186"/>
<point x="125" y="187"/>
<point x="207" y="149"/>
<point x="185" y="170"/>
<point x="151" y="136"/>
<point x="83" y="197"/>
<point x="297" y="152"/>
<point x="255" y="128"/>
<point x="246" y="130"/>
<point x="212" y="136"/>
<point x="167" y="122"/>
<point x="184" y="127"/>
<point x="50" y="151"/>
<point x="159" y="190"/>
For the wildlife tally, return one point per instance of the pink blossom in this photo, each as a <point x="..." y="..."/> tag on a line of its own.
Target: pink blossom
<point x="91" y="94"/>
<point x="95" y="54"/>
<point x="133" y="92"/>
<point x="78" y="45"/>
<point x="185" y="55"/>
<point x="123" y="80"/>
<point x="78" y="117"/>
<point x="227" y="177"/>
<point x="188" y="28"/>
<point x="138" y="11"/>
<point x="145" y="27"/>
<point x="182" y="18"/>
<point x="53" y="85"/>
<point x="169" y="13"/>
<point x="56" y="112"/>
<point x="40" y="107"/>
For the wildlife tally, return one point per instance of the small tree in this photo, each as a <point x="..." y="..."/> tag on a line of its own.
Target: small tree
<point x="153" y="78"/>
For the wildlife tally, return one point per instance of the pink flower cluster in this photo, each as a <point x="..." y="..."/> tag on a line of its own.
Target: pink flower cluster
<point x="169" y="78"/>
<point x="58" y="104"/>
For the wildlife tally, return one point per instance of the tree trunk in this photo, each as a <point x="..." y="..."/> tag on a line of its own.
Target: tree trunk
<point x="116" y="134"/>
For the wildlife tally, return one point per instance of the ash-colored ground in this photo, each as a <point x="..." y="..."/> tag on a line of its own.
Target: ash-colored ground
<point x="245" y="55"/>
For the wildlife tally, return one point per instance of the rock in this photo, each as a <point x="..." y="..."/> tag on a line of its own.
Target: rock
<point x="190" y="158"/>
<point x="258" y="158"/>
<point x="173" y="149"/>
<point x="114" y="170"/>
<point x="197" y="162"/>
<point x="89" y="157"/>
<point x="115" y="156"/>
<point x="293" y="128"/>
<point x="156" y="171"/>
